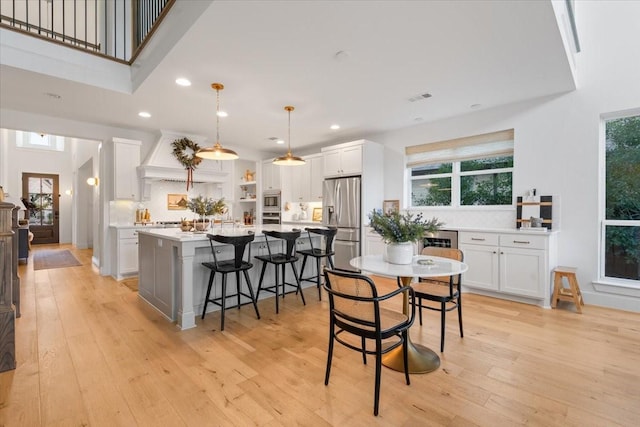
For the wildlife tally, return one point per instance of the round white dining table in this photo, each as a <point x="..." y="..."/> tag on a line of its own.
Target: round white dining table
<point x="421" y="358"/>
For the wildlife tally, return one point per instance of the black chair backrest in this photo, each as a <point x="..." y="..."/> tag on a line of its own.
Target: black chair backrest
<point x="239" y="244"/>
<point x="328" y="233"/>
<point x="289" y="237"/>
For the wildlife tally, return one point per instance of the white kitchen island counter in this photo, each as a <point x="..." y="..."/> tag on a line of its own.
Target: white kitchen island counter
<point x="172" y="279"/>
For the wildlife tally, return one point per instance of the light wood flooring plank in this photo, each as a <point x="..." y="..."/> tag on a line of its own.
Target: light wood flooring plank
<point x="91" y="352"/>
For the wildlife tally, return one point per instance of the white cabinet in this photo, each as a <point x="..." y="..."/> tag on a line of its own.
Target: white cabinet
<point x="299" y="180"/>
<point x="303" y="183"/>
<point x="343" y="161"/>
<point x="126" y="159"/>
<point x="316" y="177"/>
<point x="270" y="176"/>
<point x="373" y="243"/>
<point x="517" y="264"/>
<point x="126" y="253"/>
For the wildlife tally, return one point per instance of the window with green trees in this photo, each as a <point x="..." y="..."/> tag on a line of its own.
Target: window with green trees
<point x="470" y="171"/>
<point x="621" y="224"/>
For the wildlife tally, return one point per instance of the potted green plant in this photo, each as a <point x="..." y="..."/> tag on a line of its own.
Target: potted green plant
<point x="205" y="206"/>
<point x="400" y="231"/>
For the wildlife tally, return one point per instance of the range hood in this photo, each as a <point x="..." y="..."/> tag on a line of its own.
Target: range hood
<point x="161" y="165"/>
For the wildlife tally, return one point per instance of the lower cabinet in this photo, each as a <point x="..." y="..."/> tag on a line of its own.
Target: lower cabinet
<point x="156" y="279"/>
<point x="126" y="253"/>
<point x="373" y="243"/>
<point x="506" y="264"/>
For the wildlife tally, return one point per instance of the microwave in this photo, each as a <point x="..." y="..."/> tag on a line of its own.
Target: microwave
<point x="271" y="201"/>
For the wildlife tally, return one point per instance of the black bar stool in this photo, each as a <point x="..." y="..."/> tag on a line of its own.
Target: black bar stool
<point x="235" y="265"/>
<point x="280" y="259"/>
<point x="318" y="253"/>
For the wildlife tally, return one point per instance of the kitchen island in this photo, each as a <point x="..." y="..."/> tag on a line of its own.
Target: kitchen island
<point x="172" y="279"/>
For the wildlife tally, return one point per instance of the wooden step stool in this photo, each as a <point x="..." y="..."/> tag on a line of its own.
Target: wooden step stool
<point x="572" y="293"/>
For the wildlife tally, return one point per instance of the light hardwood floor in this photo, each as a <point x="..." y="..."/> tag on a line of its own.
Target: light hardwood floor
<point x="91" y="353"/>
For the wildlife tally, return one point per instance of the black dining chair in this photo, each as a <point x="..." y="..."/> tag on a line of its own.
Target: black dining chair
<point x="355" y="309"/>
<point x="441" y="293"/>
<point x="280" y="260"/>
<point x="235" y="265"/>
<point x="318" y="253"/>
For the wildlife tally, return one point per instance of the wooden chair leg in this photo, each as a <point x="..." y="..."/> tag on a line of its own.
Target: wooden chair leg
<point x="557" y="284"/>
<point x="575" y="290"/>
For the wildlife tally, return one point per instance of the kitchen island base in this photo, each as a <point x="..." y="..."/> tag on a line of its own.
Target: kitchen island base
<point x="173" y="280"/>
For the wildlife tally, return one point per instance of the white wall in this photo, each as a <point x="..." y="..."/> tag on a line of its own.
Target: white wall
<point x="557" y="138"/>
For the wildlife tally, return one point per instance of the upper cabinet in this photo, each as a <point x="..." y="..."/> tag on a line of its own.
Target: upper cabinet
<point x="316" y="176"/>
<point x="270" y="176"/>
<point x="126" y="158"/>
<point x="342" y="160"/>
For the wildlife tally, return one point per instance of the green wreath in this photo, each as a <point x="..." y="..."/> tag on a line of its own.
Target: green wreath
<point x="179" y="151"/>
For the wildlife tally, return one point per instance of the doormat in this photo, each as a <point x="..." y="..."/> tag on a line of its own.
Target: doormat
<point x="43" y="260"/>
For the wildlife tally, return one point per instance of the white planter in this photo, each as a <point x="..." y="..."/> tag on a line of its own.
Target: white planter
<point x="398" y="253"/>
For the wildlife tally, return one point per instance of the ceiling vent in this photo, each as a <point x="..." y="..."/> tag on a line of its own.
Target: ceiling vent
<point x="420" y="97"/>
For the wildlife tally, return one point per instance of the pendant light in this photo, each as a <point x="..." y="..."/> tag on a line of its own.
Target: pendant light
<point x="289" y="159"/>
<point x="217" y="152"/>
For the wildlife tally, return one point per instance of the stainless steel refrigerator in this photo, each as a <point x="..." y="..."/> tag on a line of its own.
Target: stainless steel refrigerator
<point x="341" y="209"/>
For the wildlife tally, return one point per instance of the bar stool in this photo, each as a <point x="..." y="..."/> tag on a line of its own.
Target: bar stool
<point x="280" y="259"/>
<point x="235" y="265"/>
<point x="572" y="293"/>
<point x="318" y="253"/>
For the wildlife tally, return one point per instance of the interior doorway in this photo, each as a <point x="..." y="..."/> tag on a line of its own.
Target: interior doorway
<point x="40" y="194"/>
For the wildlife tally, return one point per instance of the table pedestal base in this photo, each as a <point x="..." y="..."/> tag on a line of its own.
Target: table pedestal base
<point x="421" y="359"/>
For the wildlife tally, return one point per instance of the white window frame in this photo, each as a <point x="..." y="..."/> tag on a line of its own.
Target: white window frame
<point x="456" y="174"/>
<point x="605" y="283"/>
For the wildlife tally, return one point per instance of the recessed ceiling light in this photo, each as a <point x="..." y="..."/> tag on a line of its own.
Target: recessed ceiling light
<point x="418" y="119"/>
<point x="144" y="114"/>
<point x="183" y="82"/>
<point x="335" y="127"/>
<point x="53" y="95"/>
<point x="280" y="142"/>
<point x="222" y="114"/>
<point x="475" y="106"/>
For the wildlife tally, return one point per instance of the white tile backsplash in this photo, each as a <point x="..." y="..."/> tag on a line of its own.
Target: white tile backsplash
<point x="471" y="217"/>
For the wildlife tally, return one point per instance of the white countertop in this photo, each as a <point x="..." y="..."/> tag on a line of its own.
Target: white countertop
<point x="188" y="236"/>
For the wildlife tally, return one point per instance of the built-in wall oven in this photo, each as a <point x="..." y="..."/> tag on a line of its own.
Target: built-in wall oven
<point x="271" y="218"/>
<point x="441" y="239"/>
<point x="271" y="201"/>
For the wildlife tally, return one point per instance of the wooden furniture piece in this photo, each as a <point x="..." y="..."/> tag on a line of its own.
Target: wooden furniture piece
<point x="318" y="253"/>
<point x="280" y="260"/>
<point x="235" y="265"/>
<point x="354" y="308"/>
<point x="8" y="264"/>
<point x="562" y="293"/>
<point x="421" y="358"/>
<point x="444" y="291"/>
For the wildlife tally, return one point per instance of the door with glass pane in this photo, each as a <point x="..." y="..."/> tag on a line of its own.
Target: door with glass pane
<point x="41" y="193"/>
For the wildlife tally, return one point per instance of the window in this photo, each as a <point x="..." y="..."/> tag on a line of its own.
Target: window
<point x="39" y="141"/>
<point x="471" y="171"/>
<point x="620" y="241"/>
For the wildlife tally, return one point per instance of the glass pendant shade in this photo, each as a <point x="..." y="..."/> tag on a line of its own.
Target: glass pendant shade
<point x="217" y="152"/>
<point x="289" y="159"/>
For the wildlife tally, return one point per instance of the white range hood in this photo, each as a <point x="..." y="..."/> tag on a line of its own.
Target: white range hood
<point x="161" y="164"/>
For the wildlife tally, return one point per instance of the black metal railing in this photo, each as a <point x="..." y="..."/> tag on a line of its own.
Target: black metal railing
<point x="114" y="28"/>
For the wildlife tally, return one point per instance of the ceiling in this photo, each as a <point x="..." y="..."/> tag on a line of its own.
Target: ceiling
<point x="352" y="63"/>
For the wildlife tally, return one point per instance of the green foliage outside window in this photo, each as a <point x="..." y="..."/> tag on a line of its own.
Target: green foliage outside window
<point x="622" y="243"/>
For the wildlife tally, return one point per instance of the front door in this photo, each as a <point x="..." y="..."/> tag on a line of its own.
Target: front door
<point x="41" y="193"/>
